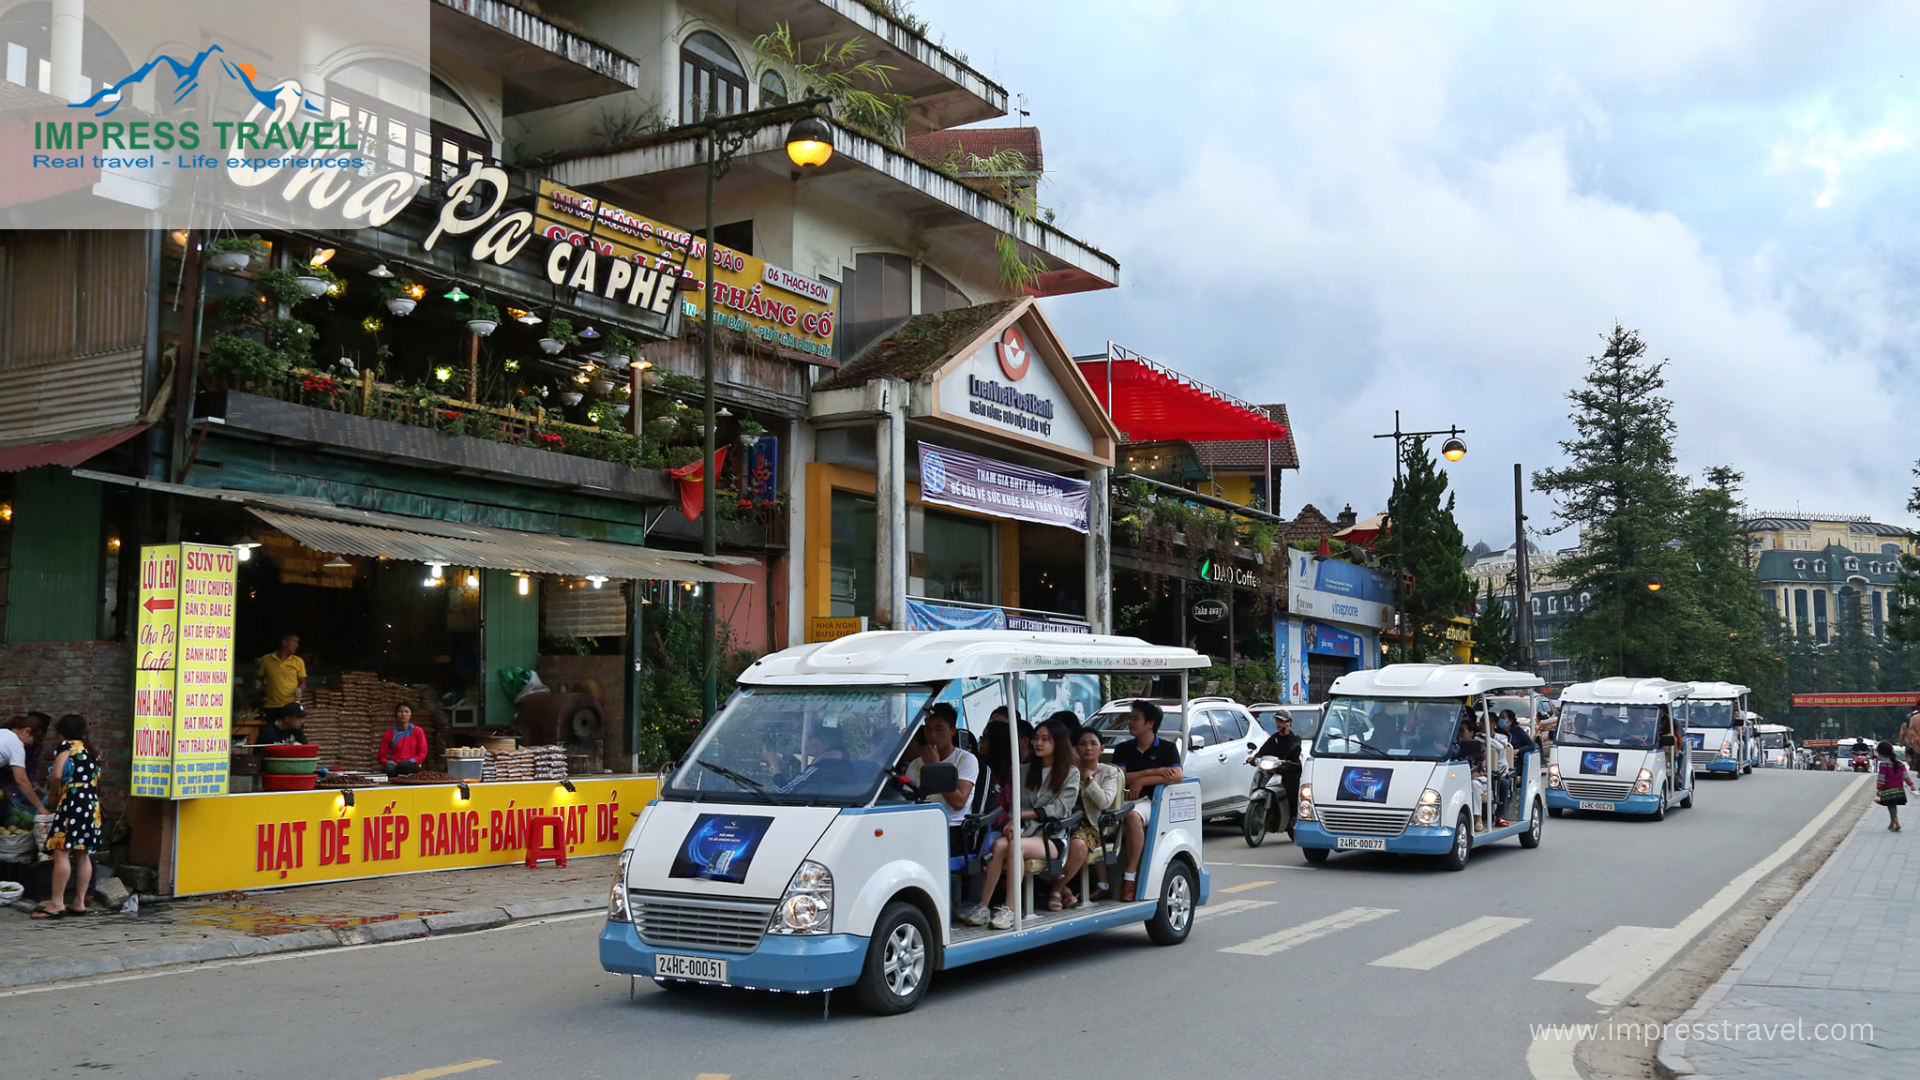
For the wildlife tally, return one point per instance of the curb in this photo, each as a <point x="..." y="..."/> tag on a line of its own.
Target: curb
<point x="373" y="933"/>
<point x="1672" y="1062"/>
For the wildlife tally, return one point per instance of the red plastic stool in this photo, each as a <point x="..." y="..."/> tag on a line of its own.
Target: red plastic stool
<point x="557" y="851"/>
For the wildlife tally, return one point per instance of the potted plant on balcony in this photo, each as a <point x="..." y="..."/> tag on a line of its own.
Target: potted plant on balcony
<point x="316" y="281"/>
<point x="750" y="432"/>
<point x="560" y="335"/>
<point x="402" y="296"/>
<point x="600" y="382"/>
<point x="231" y="254"/>
<point x="482" y="318"/>
<point x="619" y="351"/>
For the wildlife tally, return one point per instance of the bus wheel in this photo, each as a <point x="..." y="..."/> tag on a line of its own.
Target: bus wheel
<point x="1253" y="825"/>
<point x="1531" y="838"/>
<point x="1556" y="811"/>
<point x="1660" y="807"/>
<point x="1687" y="803"/>
<point x="1173" y="919"/>
<point x="1315" y="855"/>
<point x="1462" y="850"/>
<point x="898" y="961"/>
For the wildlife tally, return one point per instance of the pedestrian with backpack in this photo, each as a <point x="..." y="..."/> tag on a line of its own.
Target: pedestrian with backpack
<point x="1894" y="782"/>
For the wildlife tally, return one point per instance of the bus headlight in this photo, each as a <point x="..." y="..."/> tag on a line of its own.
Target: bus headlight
<point x="617" y="897"/>
<point x="1645" y="783"/>
<point x="1429" y="810"/>
<point x="807" y="907"/>
<point x="1553" y="775"/>
<point x="1306" y="803"/>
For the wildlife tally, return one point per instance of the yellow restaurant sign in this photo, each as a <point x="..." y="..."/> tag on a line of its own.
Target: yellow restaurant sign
<point x="296" y="837"/>
<point x="183" y="677"/>
<point x="750" y="295"/>
<point x="833" y="627"/>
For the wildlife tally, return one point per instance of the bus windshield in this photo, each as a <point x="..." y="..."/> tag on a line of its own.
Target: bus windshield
<point x="1583" y="724"/>
<point x="813" y="746"/>
<point x="1774" y="740"/>
<point x="1419" y="728"/>
<point x="1707" y="713"/>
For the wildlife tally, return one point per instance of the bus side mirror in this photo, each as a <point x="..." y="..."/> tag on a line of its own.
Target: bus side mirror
<point x="1666" y="741"/>
<point x="938" y="779"/>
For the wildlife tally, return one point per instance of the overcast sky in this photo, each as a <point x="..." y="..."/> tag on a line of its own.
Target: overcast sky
<point x="1354" y="208"/>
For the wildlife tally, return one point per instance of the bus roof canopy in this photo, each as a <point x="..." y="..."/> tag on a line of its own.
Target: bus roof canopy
<point x="1622" y="691"/>
<point x="1432" y="681"/>
<point x="881" y="657"/>
<point x="1716" y="690"/>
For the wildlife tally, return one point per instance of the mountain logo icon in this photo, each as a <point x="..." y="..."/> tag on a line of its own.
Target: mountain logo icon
<point x="186" y="77"/>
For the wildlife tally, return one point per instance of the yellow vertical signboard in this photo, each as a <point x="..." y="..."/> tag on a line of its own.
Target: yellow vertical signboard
<point x="157" y="646"/>
<point x="183" y="685"/>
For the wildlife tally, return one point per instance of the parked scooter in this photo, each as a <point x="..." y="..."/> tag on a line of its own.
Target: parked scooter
<point x="1270" y="805"/>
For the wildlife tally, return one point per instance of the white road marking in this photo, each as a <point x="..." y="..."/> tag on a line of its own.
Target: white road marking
<point x="1617" y="988"/>
<point x="304" y="954"/>
<point x="1283" y="940"/>
<point x="1230" y="907"/>
<point x="1605" y="956"/>
<point x="1447" y="944"/>
<point x="1552" y="1059"/>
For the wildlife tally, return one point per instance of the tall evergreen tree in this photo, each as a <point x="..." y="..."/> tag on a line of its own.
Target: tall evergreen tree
<point x="1493" y="640"/>
<point x="1903" y="621"/>
<point x="1623" y="493"/>
<point x="1424" y="541"/>
<point x="1731" y="643"/>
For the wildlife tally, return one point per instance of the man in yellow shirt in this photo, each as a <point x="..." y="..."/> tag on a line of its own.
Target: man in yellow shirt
<point x="281" y="677"/>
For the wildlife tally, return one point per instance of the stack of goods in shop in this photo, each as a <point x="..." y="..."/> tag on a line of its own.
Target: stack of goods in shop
<point x="467" y="762"/>
<point x="289" y="767"/>
<point x="347" y="722"/>
<point x="527" y="763"/>
<point x="346" y="780"/>
<point x="425" y="776"/>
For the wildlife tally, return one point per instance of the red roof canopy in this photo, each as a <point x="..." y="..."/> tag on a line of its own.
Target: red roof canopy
<point x="1151" y="402"/>
<point x="69" y="453"/>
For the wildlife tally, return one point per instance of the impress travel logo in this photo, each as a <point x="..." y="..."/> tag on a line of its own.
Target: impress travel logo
<point x="276" y="117"/>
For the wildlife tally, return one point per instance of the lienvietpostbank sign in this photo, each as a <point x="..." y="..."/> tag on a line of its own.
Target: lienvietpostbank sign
<point x="295" y="837"/>
<point x="1006" y="387"/>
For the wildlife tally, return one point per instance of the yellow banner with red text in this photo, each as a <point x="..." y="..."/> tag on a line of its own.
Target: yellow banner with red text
<point x="295" y="837"/>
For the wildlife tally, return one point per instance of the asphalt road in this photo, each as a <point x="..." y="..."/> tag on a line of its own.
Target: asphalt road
<point x="1282" y="975"/>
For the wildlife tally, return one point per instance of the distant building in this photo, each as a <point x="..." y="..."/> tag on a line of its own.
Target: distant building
<point x="1550" y="600"/>
<point x="1806" y="568"/>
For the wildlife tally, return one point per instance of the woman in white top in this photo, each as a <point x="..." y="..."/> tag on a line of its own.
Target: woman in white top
<point x="1051" y="790"/>
<point x="1101" y="787"/>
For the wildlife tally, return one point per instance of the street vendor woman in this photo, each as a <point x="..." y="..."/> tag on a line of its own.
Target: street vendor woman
<point x="403" y="747"/>
<point x="280" y="677"/>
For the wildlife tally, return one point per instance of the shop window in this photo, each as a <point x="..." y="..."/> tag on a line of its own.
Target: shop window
<point x="773" y="90"/>
<point x="939" y="294"/>
<point x="1535" y="604"/>
<point x="960" y="559"/>
<point x="876" y="297"/>
<point x="712" y="82"/>
<point x="853" y="584"/>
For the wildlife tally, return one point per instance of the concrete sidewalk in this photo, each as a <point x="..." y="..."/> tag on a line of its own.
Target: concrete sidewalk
<point x="283" y="920"/>
<point x="1845" y="951"/>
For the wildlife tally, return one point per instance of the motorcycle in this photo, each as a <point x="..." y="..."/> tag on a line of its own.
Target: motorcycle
<point x="1270" y="806"/>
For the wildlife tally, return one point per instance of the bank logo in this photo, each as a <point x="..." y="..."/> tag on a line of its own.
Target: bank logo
<point x="186" y="77"/>
<point x="1014" y="355"/>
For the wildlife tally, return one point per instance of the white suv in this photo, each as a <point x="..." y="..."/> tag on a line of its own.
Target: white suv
<point x="1214" y="743"/>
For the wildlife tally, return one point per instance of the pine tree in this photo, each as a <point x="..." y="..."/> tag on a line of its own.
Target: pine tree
<point x="1622" y="492"/>
<point x="1731" y="643"/>
<point x="1493" y="641"/>
<point x="1424" y="541"/>
<point x="1903" y="620"/>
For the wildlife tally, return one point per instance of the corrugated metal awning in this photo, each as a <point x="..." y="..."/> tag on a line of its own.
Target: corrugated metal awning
<point x="69" y="453"/>
<point x="493" y="549"/>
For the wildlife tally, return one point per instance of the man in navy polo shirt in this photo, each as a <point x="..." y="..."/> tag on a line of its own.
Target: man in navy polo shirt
<point x="1148" y="761"/>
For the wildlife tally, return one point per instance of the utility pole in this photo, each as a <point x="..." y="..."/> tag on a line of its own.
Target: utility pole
<point x="1522" y="605"/>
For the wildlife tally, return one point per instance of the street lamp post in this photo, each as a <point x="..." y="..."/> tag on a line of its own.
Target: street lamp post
<point x="809" y="145"/>
<point x="1453" y="450"/>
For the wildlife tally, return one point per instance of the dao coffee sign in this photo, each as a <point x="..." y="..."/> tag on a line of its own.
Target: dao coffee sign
<point x="1006" y="387"/>
<point x="1338" y="591"/>
<point x="983" y="485"/>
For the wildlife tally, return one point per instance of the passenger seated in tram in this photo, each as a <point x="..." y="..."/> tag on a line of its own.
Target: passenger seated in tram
<point x="1149" y="761"/>
<point x="1050" y="790"/>
<point x="1101" y="785"/>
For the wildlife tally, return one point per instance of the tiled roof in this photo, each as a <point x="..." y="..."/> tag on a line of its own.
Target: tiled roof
<point x="939" y="146"/>
<point x="1778" y="565"/>
<point x="17" y="98"/>
<point x="921" y="344"/>
<point x="1250" y="455"/>
<point x="1308" y="524"/>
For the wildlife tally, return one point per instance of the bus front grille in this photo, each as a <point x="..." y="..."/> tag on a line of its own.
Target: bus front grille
<point x="694" y="922"/>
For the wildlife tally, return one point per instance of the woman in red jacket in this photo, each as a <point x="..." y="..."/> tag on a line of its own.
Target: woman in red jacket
<point x="403" y="747"/>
